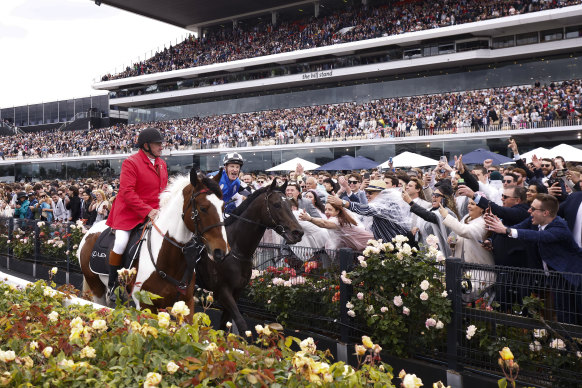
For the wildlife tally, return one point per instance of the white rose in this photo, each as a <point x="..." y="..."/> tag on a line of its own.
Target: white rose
<point x="398" y="301"/>
<point x="471" y="330"/>
<point x="405" y="310"/>
<point x="54" y="270"/>
<point x="180" y="308"/>
<point x="360" y="295"/>
<point x="76" y="323"/>
<point x="424" y="285"/>
<point x="53" y="316"/>
<point x="423" y="296"/>
<point x="47" y="351"/>
<point x="444" y="294"/>
<point x="383" y="309"/>
<point x="349" y="305"/>
<point x="535" y="346"/>
<point x="539" y="333"/>
<point x="351" y="313"/>
<point x="440" y="325"/>
<point x="557" y="344"/>
<point x="411" y="381"/>
<point x="172" y="367"/>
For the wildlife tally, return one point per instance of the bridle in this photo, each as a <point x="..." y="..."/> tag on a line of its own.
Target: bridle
<point x="273" y="222"/>
<point x="192" y="250"/>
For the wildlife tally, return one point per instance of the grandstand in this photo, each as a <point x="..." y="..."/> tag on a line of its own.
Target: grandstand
<point x="359" y="77"/>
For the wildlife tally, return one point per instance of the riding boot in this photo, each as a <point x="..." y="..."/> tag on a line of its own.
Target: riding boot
<point x="115" y="260"/>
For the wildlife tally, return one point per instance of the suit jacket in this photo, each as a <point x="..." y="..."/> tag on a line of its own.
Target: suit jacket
<point x="305" y="204"/>
<point x="569" y="209"/>
<point x="509" y="215"/>
<point x="555" y="245"/>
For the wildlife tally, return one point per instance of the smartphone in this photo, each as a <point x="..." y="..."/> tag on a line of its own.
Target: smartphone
<point x="390" y="160"/>
<point x="461" y="181"/>
<point x="560" y="173"/>
<point x="367" y="175"/>
<point x="443" y="159"/>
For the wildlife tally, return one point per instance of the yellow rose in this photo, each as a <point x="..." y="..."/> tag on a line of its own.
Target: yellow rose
<point x="76" y="323"/>
<point x="180" y="309"/>
<point x="152" y="380"/>
<point x="360" y="350"/>
<point x="47" y="351"/>
<point x="88" y="352"/>
<point x="99" y="325"/>
<point x="506" y="354"/>
<point x="367" y="342"/>
<point x="28" y="363"/>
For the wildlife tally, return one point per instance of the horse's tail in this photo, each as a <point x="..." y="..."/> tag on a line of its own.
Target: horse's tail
<point x="86" y="287"/>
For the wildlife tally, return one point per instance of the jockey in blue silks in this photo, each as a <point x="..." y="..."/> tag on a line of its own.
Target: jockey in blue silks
<point x="229" y="183"/>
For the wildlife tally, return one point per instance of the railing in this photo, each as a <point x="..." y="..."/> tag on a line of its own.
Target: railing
<point x="385" y="133"/>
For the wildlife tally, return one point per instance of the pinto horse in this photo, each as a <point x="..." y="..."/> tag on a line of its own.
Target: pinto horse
<point x="166" y="261"/>
<point x="267" y="207"/>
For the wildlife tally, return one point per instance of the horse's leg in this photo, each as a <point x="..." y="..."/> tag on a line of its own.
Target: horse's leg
<point x="225" y="317"/>
<point x="230" y="307"/>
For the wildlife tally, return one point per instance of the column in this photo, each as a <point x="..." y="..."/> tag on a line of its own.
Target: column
<point x="316" y="9"/>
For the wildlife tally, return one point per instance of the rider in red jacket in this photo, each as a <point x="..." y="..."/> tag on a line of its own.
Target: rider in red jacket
<point x="144" y="176"/>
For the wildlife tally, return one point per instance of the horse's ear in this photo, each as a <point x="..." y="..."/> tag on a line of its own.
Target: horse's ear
<point x="218" y="176"/>
<point x="283" y="188"/>
<point x="194" y="177"/>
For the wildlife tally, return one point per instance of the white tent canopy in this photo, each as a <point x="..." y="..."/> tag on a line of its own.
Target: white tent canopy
<point x="568" y="152"/>
<point x="540" y="152"/>
<point x="410" y="159"/>
<point x="291" y="165"/>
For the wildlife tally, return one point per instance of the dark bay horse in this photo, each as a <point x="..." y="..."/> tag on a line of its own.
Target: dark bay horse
<point x="190" y="220"/>
<point x="267" y="207"/>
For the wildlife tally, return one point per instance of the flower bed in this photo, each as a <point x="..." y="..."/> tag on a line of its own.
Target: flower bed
<point x="42" y="342"/>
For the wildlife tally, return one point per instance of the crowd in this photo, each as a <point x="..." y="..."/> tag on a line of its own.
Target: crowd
<point x="526" y="216"/>
<point x="348" y="25"/>
<point x="459" y="112"/>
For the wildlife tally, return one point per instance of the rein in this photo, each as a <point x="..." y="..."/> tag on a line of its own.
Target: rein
<point x="191" y="250"/>
<point x="273" y="222"/>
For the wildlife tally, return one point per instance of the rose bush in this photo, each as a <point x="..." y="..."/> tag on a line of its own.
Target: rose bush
<point x="43" y="342"/>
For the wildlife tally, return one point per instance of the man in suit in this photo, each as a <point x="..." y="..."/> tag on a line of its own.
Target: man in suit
<point x="549" y="240"/>
<point x="571" y="211"/>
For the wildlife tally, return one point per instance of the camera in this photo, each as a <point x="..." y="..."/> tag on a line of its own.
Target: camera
<point x="560" y="173"/>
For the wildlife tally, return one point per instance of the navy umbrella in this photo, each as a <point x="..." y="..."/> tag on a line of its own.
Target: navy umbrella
<point x="348" y="162"/>
<point x="480" y="154"/>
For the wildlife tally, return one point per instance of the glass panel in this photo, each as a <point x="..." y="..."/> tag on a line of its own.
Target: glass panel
<point x="573" y="32"/>
<point x="529" y="38"/>
<point x="503" y="41"/>
<point x="550" y="35"/>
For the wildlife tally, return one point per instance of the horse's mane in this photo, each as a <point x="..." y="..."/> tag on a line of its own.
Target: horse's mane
<point x="175" y="187"/>
<point x="244" y="205"/>
<point x="179" y="182"/>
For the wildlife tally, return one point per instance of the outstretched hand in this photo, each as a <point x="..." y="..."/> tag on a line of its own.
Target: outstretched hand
<point x="443" y="211"/>
<point x="494" y="224"/>
<point x="459" y="166"/>
<point x="466" y="191"/>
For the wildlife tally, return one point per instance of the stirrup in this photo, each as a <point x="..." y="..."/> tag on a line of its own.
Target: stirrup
<point x="111" y="296"/>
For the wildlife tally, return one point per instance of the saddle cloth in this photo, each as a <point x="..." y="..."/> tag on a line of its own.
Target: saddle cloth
<point x="99" y="262"/>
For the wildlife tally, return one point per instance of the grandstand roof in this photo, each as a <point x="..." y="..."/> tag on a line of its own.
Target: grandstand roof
<point x="197" y="13"/>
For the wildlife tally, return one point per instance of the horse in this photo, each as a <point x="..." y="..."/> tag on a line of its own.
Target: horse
<point x="173" y="243"/>
<point x="266" y="208"/>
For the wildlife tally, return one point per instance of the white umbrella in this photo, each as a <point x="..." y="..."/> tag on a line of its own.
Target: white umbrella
<point x="410" y="159"/>
<point x="568" y="152"/>
<point x="291" y="165"/>
<point x="540" y="152"/>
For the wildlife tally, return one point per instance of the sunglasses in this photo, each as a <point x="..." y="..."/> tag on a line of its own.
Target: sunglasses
<point x="437" y="195"/>
<point x="503" y="196"/>
<point x="352" y="182"/>
<point x="533" y="209"/>
<point x="508" y="181"/>
<point x="546" y="165"/>
<point x="261" y="181"/>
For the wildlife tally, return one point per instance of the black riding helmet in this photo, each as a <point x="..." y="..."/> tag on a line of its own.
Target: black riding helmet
<point x="149" y="135"/>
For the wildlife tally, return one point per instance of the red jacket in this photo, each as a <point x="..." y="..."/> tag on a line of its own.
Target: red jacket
<point x="140" y="185"/>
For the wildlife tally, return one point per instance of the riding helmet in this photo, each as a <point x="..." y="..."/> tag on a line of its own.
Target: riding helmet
<point x="149" y="135"/>
<point x="233" y="157"/>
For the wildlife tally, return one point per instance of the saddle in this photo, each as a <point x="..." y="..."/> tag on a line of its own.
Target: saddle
<point x="99" y="262"/>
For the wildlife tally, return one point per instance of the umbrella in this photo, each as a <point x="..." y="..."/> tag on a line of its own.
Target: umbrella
<point x="348" y="162"/>
<point x="480" y="154"/>
<point x="540" y="152"/>
<point x="569" y="153"/>
<point x="291" y="165"/>
<point x="410" y="159"/>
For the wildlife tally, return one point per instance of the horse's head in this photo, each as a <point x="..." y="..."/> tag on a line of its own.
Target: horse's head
<point x="203" y="213"/>
<point x="279" y="214"/>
